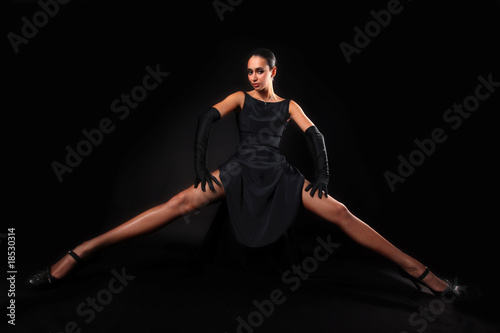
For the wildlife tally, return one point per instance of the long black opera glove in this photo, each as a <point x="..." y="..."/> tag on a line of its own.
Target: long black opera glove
<point x="318" y="143"/>
<point x="203" y="176"/>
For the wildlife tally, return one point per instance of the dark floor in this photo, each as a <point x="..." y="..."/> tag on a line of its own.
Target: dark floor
<point x="157" y="293"/>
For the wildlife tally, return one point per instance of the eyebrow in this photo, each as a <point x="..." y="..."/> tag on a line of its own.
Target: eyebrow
<point x="250" y="69"/>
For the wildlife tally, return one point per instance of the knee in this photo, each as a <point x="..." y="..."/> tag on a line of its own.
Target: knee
<point x="339" y="213"/>
<point x="182" y="203"/>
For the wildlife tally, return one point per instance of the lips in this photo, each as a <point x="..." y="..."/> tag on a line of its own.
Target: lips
<point x="255" y="85"/>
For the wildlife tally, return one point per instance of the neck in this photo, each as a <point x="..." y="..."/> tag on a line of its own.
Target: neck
<point x="266" y="93"/>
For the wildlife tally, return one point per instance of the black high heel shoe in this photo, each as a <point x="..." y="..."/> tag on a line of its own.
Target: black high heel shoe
<point x="43" y="279"/>
<point x="452" y="291"/>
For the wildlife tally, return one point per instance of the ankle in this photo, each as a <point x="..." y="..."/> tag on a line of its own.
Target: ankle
<point x="85" y="250"/>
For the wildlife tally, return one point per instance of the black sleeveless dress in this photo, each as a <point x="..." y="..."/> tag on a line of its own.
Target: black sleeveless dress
<point x="263" y="191"/>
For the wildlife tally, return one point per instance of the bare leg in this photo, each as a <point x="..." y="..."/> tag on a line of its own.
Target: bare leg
<point x="335" y="212"/>
<point x="149" y="221"/>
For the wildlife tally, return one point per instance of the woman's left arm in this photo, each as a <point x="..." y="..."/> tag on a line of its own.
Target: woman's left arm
<point x="319" y="147"/>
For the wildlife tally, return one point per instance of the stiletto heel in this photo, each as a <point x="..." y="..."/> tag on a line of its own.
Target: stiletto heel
<point x="452" y="290"/>
<point x="44" y="279"/>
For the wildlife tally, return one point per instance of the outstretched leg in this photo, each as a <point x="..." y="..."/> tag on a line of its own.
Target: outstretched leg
<point x="335" y="212"/>
<point x="145" y="223"/>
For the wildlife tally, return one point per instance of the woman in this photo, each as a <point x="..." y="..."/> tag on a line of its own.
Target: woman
<point x="262" y="190"/>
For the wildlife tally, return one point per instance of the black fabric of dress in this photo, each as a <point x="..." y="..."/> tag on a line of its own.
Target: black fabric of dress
<point x="222" y="248"/>
<point x="263" y="191"/>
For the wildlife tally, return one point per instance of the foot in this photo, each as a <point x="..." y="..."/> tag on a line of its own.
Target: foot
<point x="42" y="279"/>
<point x="46" y="278"/>
<point x="440" y="288"/>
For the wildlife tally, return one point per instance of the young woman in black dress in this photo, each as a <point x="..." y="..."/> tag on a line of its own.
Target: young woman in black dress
<point x="262" y="190"/>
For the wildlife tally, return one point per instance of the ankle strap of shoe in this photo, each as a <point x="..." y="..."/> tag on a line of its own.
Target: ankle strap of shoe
<point x="424" y="274"/>
<point x="75" y="256"/>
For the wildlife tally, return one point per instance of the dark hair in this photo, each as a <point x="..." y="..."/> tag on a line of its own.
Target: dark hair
<point x="266" y="54"/>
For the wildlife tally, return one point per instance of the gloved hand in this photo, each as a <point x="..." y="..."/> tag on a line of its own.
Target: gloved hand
<point x="319" y="150"/>
<point x="320" y="185"/>
<point x="203" y="176"/>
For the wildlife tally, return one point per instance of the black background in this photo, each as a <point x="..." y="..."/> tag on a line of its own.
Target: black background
<point x="370" y="111"/>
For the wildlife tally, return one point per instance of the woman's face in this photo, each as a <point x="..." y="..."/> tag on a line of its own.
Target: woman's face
<point x="259" y="73"/>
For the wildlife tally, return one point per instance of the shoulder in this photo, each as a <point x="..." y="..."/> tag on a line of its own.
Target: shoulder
<point x="230" y="103"/>
<point x="294" y="108"/>
<point x="237" y="98"/>
<point x="238" y="94"/>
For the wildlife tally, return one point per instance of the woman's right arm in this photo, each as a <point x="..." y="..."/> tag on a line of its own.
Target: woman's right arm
<point x="230" y="103"/>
